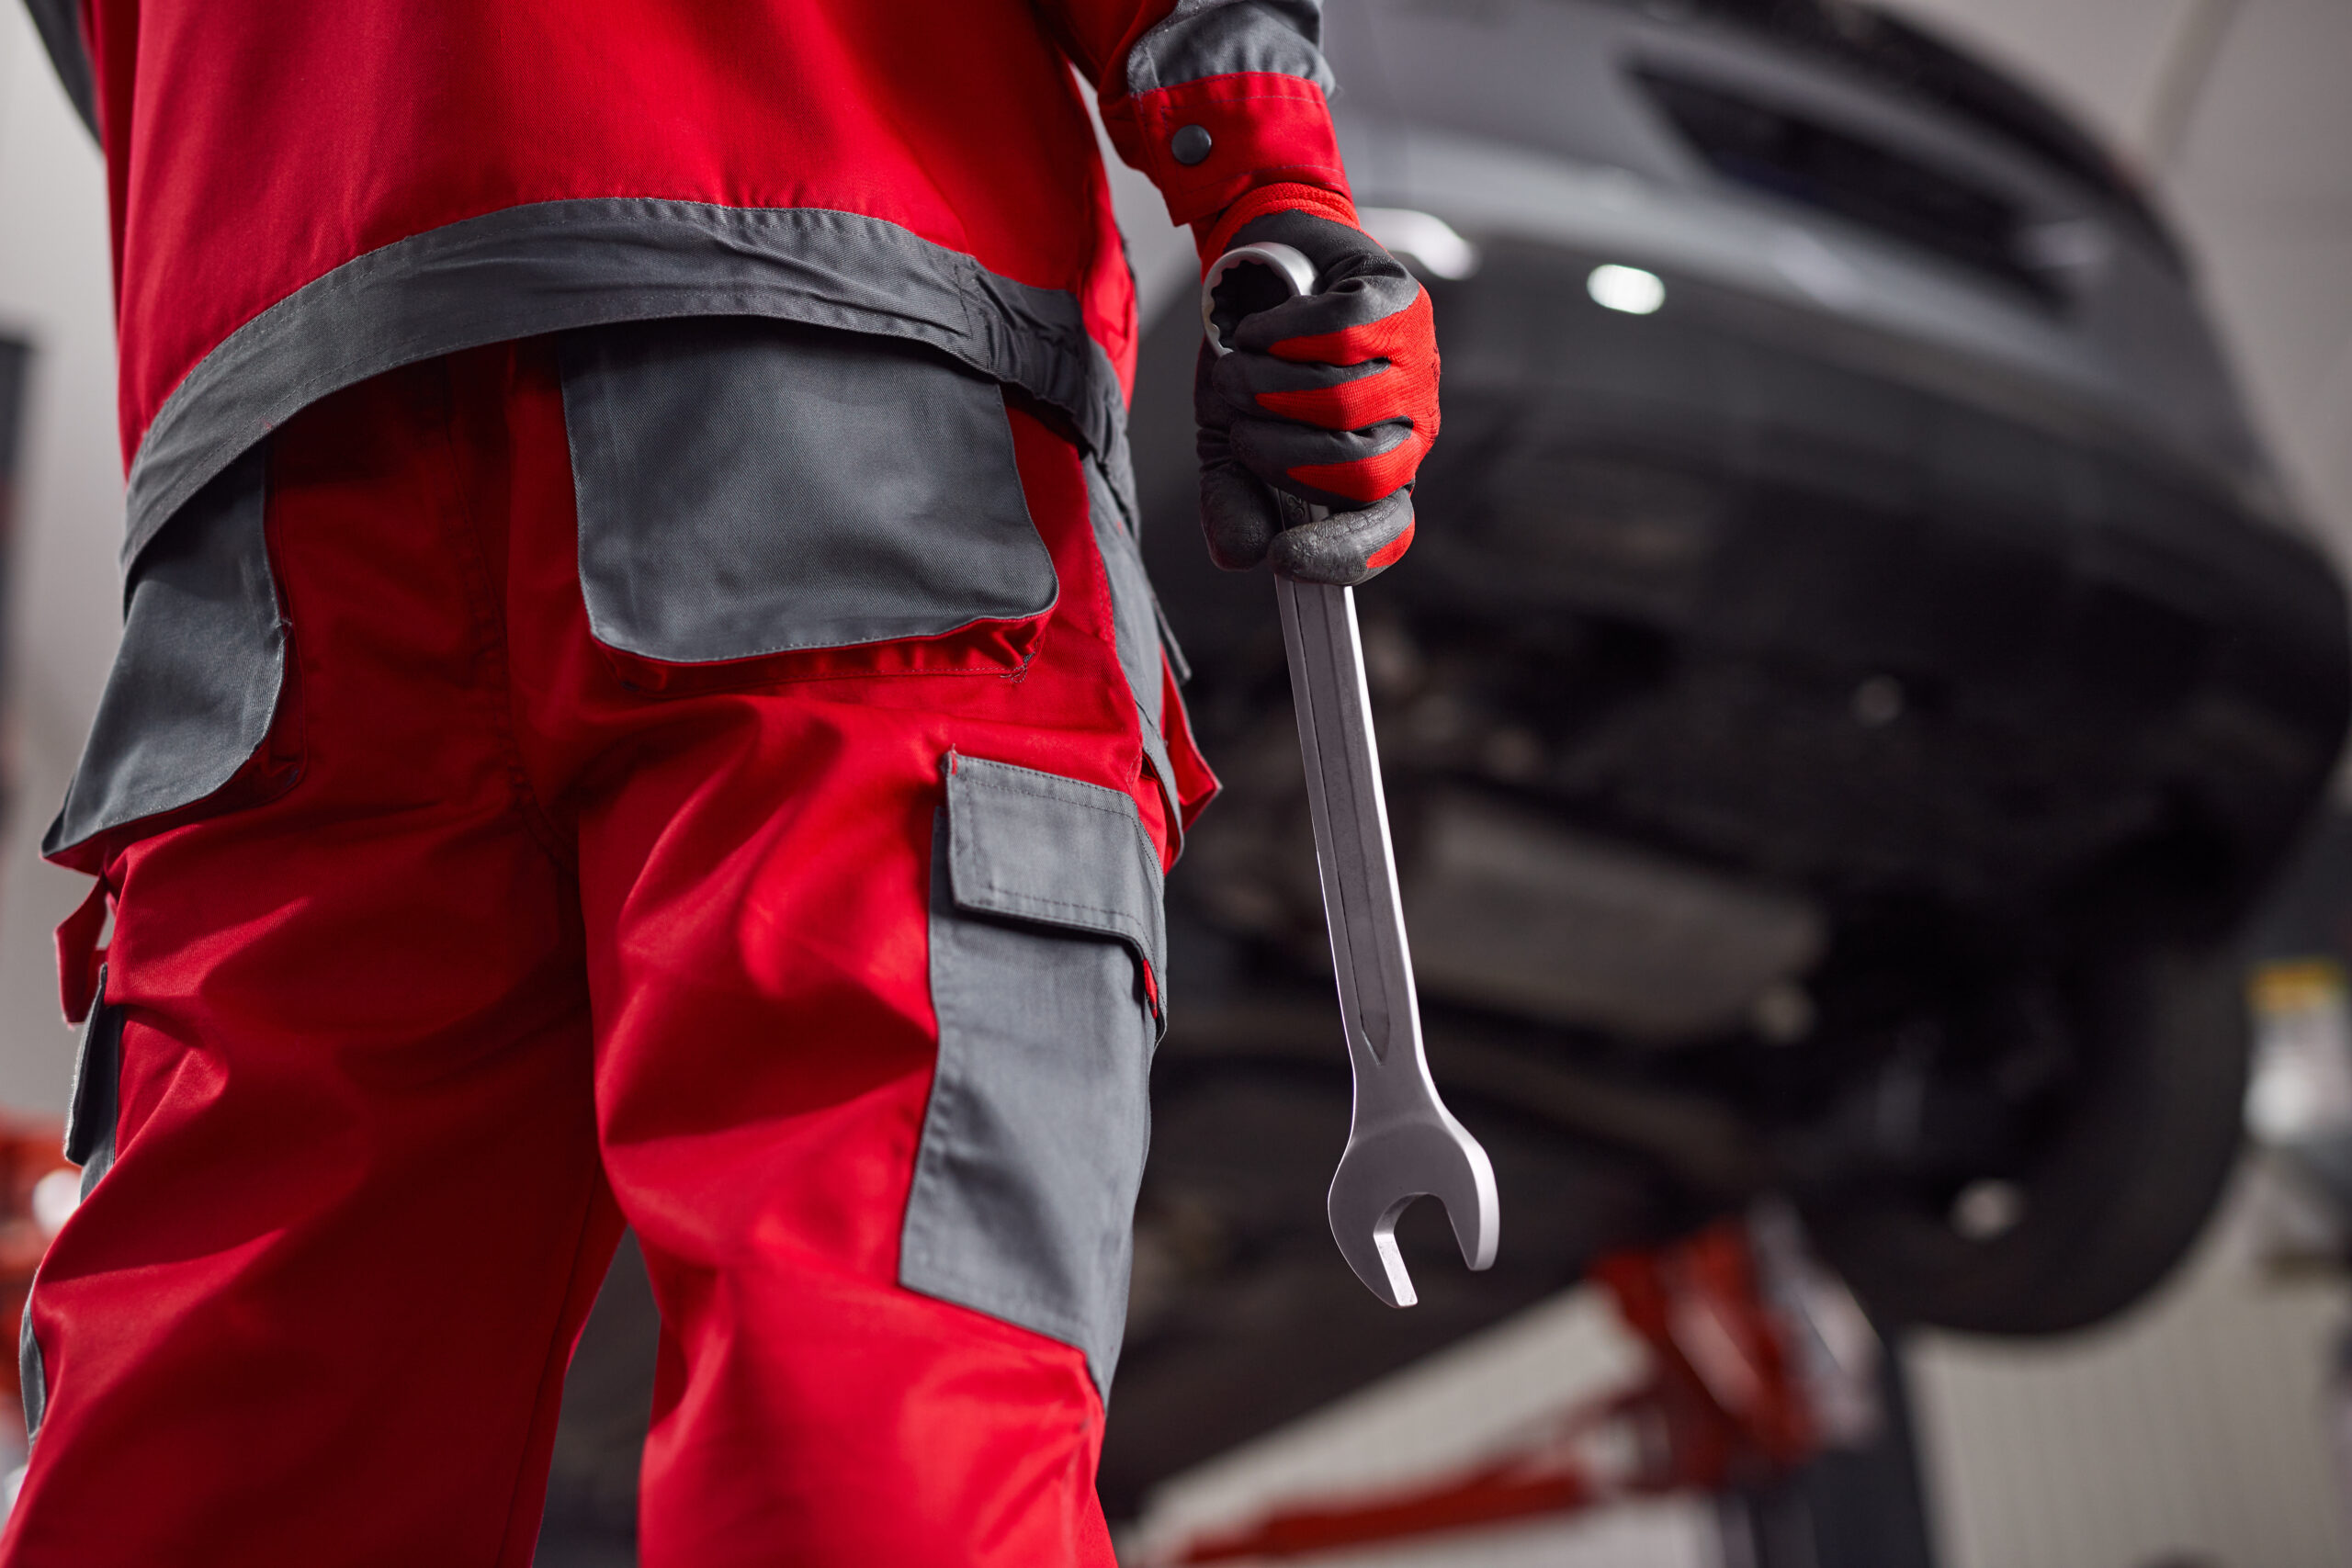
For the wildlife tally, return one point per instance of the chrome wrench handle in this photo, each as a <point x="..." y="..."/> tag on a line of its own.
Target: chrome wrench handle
<point x="1402" y="1142"/>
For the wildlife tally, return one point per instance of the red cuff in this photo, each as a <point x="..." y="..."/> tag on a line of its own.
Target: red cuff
<point x="1214" y="236"/>
<point x="1262" y="129"/>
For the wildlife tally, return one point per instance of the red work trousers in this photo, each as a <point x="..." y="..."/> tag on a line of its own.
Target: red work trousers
<point x="524" y="951"/>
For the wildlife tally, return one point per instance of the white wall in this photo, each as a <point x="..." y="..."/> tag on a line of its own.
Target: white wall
<point x="63" y="610"/>
<point x="2192" y="1430"/>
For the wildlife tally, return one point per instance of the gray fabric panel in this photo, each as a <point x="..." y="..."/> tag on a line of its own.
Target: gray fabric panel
<point x="59" y="22"/>
<point x="1216" y="38"/>
<point x="90" y="1105"/>
<point x="746" y="486"/>
<point x="1023" y="1205"/>
<point x="196" y="680"/>
<point x="32" y="1376"/>
<point x="1136" y="622"/>
<point x="97" y="1092"/>
<point x="551" y="266"/>
<point x="1132" y="618"/>
<point x="1177" y="665"/>
<point x="1155" y="751"/>
<point x="1036" y="340"/>
<point x="1039" y="847"/>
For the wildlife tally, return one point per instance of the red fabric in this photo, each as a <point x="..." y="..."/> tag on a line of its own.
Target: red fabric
<point x="79" y="954"/>
<point x="524" y="950"/>
<point x="1264" y="129"/>
<point x="257" y="147"/>
<point x="253" y="147"/>
<point x="1195" y="785"/>
<point x="1407" y="390"/>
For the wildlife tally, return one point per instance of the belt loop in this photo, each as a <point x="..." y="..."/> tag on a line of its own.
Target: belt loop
<point x="79" y="954"/>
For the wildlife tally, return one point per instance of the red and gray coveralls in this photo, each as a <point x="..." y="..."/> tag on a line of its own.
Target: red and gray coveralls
<point x="638" y="703"/>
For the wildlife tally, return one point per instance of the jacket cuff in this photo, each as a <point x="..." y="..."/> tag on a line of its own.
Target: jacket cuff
<point x="1214" y="236"/>
<point x="1208" y="143"/>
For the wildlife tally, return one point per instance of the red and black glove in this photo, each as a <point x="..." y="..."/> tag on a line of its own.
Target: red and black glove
<point x="1329" y="398"/>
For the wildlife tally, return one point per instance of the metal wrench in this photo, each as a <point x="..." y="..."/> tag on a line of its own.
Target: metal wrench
<point x="1403" y="1143"/>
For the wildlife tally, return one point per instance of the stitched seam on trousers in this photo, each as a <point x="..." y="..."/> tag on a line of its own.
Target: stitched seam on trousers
<point x="1127" y="816"/>
<point x="1123" y="919"/>
<point x="1045" y="1318"/>
<point x="496" y="678"/>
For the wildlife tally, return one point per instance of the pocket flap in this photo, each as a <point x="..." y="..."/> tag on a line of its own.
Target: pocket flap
<point x="1036" y="846"/>
<point x="749" y="490"/>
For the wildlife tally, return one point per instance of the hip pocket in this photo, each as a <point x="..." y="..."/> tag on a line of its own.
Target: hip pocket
<point x="198" y="677"/>
<point x="756" y="496"/>
<point x="1046" y="938"/>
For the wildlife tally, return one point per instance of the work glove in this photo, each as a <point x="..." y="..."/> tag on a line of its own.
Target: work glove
<point x="1329" y="398"/>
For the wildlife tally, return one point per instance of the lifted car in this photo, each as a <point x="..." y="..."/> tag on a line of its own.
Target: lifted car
<point x="1858" y="672"/>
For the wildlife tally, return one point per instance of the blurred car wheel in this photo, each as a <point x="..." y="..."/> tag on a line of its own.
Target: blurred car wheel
<point x="2119" y="1188"/>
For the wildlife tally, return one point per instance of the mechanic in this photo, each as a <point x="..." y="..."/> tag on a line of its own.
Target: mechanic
<point x="638" y="703"/>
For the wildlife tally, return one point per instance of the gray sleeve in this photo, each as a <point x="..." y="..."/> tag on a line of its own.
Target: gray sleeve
<point x="1218" y="37"/>
<point x="59" y="22"/>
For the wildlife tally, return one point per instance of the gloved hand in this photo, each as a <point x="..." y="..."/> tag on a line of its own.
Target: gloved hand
<point x="1329" y="398"/>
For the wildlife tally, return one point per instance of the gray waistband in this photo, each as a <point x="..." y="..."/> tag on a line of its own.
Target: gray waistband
<point x="559" y="265"/>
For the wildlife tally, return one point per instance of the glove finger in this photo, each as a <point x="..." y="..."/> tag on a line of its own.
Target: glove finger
<point x="1407" y="340"/>
<point x="1334" y="467"/>
<point x="1329" y="396"/>
<point x="1239" y="516"/>
<point x="1357" y="282"/>
<point x="1342" y="312"/>
<point x="1211" y="409"/>
<point x="1347" y="548"/>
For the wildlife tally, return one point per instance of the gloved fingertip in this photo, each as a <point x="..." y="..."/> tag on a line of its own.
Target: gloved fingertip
<point x="1238" y="518"/>
<point x="1233" y="553"/>
<point x="1348" y="547"/>
<point x="1306" y="560"/>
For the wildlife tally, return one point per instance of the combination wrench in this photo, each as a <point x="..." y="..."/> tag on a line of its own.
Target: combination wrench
<point x="1402" y="1142"/>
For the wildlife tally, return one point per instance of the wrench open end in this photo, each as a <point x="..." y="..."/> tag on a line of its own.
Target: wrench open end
<point x="1381" y="1175"/>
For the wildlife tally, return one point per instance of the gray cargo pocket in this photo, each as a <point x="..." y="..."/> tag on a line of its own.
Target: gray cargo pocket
<point x="750" y="488"/>
<point x="196" y="680"/>
<point x="1045" y="954"/>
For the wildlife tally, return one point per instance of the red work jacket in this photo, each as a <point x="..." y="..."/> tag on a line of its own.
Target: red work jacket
<point x="306" y="194"/>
